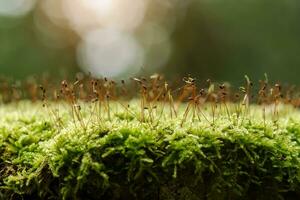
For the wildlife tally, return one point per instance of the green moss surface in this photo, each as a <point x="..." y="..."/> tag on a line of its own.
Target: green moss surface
<point x="118" y="156"/>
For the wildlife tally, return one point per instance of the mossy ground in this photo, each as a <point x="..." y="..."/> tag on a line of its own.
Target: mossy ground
<point x="230" y="157"/>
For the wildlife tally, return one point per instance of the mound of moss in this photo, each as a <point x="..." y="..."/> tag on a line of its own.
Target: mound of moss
<point x="121" y="157"/>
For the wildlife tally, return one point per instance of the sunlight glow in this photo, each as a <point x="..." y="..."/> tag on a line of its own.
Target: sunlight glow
<point x="85" y="15"/>
<point x="102" y="7"/>
<point x="114" y="37"/>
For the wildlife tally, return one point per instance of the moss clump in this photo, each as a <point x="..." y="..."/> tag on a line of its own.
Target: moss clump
<point x="121" y="157"/>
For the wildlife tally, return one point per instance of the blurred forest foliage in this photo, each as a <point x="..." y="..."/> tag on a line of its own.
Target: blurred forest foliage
<point x="218" y="39"/>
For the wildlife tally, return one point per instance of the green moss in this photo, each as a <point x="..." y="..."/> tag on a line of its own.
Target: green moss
<point x="124" y="158"/>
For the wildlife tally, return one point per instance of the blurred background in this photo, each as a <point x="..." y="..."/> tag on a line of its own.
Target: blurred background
<point x="217" y="39"/>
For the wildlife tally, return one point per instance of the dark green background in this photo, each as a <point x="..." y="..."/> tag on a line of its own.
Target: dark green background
<point x="219" y="39"/>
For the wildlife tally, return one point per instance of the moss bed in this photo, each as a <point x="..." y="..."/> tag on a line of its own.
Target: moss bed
<point x="120" y="157"/>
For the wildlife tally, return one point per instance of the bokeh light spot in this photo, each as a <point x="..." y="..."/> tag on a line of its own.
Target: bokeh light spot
<point x="15" y="8"/>
<point x="109" y="52"/>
